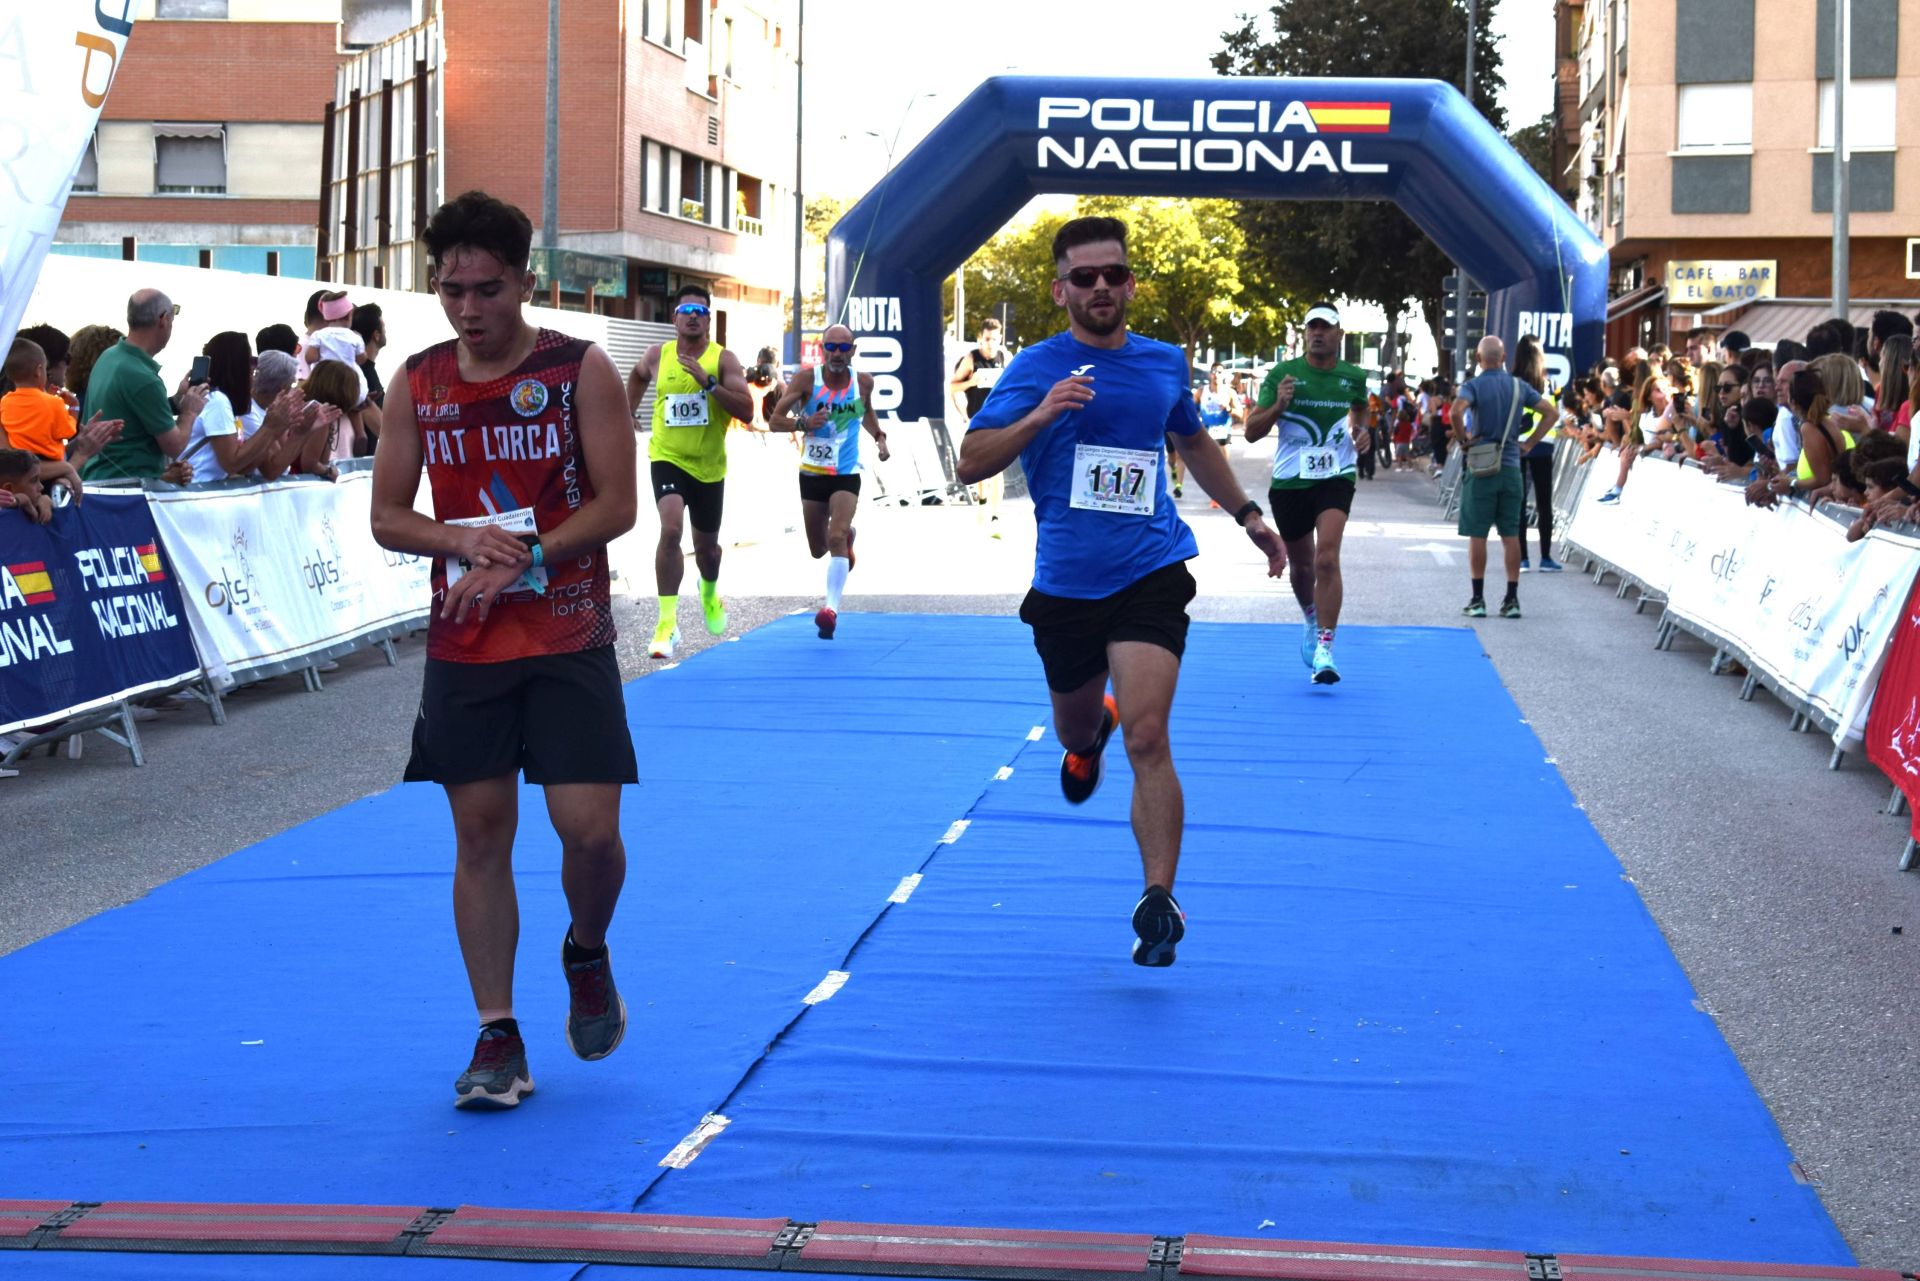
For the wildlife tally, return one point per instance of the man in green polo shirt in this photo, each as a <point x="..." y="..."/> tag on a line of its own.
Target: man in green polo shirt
<point x="126" y="384"/>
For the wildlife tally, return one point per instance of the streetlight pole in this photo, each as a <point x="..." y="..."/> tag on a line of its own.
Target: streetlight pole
<point x="1842" y="175"/>
<point x="1459" y="272"/>
<point x="799" y="195"/>
<point x="550" y="186"/>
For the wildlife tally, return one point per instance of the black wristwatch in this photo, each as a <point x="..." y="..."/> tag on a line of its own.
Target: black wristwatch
<point x="713" y="380"/>
<point x="1251" y="509"/>
<point x="1907" y="487"/>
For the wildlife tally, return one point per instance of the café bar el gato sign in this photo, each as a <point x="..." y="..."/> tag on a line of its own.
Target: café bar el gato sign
<point x="1712" y="282"/>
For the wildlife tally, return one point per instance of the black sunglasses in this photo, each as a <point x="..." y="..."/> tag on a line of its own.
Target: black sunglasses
<point x="1729" y="386"/>
<point x="1083" y="277"/>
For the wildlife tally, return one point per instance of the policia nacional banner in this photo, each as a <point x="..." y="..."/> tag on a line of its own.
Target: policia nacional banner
<point x="89" y="611"/>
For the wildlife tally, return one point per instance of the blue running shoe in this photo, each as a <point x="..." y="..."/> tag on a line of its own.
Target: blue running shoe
<point x="1309" y="641"/>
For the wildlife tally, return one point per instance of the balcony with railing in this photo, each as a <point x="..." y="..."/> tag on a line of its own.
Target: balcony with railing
<point x="748" y="226"/>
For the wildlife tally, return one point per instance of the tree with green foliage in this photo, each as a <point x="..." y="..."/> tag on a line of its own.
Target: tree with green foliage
<point x="1189" y="259"/>
<point x="1365" y="250"/>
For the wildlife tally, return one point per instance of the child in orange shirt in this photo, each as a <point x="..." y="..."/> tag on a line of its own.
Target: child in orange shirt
<point x="33" y="418"/>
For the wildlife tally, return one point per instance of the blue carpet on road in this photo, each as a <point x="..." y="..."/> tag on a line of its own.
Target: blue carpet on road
<point x="1417" y="1002"/>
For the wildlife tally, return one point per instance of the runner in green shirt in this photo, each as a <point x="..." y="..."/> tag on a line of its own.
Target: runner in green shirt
<point x="1309" y="399"/>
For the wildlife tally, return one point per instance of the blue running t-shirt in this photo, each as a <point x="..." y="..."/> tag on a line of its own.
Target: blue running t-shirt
<point x="1098" y="475"/>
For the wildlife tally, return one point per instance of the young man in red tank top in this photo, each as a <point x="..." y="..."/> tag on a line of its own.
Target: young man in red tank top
<point x="523" y="434"/>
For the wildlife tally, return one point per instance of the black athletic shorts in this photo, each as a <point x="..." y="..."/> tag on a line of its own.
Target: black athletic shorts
<point x="1297" y="511"/>
<point x="704" y="498"/>
<point x="1072" y="635"/>
<point x="815" y="488"/>
<point x="559" y="717"/>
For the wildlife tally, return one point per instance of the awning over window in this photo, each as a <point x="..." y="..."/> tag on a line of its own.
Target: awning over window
<point x="192" y="129"/>
<point x="1639" y="300"/>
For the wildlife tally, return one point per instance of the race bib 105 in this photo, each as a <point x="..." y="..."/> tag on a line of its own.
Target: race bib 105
<point x="686" y="409"/>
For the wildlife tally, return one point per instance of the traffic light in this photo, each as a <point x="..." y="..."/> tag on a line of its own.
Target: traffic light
<point x="1476" y="324"/>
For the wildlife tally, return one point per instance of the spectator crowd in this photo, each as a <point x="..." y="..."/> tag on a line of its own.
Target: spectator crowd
<point x="91" y="406"/>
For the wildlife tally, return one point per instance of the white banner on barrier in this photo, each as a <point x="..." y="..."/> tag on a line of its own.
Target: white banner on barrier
<point x="1783" y="587"/>
<point x="274" y="573"/>
<point x="60" y="60"/>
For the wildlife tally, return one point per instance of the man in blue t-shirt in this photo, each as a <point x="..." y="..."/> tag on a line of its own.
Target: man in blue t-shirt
<point x="1087" y="413"/>
<point x="1498" y="402"/>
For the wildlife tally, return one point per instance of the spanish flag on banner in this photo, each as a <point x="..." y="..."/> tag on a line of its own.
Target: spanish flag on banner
<point x="34" y="582"/>
<point x="150" y="561"/>
<point x="1351" y="117"/>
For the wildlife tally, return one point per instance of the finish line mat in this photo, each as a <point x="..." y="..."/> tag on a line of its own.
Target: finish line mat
<point x="1417" y="1002"/>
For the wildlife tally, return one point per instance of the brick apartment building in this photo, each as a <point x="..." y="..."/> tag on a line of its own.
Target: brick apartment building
<point x="1698" y="144"/>
<point x="208" y="148"/>
<point x="676" y="149"/>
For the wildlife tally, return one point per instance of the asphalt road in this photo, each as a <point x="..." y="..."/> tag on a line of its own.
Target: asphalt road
<point x="1773" y="879"/>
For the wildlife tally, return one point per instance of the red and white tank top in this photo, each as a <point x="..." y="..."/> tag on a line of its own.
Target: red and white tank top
<point x="507" y="452"/>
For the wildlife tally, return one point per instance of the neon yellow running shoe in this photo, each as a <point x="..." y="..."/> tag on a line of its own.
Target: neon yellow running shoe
<point x="665" y="637"/>
<point x="711" y="606"/>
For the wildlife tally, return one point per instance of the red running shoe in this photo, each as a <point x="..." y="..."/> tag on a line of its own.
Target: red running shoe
<point x="825" y="621"/>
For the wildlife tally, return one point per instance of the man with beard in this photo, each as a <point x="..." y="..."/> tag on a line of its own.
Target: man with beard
<point x="702" y="390"/>
<point x="1086" y="412"/>
<point x="837" y="404"/>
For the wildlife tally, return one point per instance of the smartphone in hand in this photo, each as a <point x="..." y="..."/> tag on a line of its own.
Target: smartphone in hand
<point x="202" y="370"/>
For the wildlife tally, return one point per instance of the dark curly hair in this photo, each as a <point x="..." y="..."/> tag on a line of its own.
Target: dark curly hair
<point x="476" y="220"/>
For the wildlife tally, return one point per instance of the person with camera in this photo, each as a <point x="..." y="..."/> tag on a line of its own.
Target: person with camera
<point x="768" y="388"/>
<point x="1491" y="488"/>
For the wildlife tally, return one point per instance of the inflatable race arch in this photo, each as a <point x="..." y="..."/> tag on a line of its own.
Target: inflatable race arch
<point x="1417" y="143"/>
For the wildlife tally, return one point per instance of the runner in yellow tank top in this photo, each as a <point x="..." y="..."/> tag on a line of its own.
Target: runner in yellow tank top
<point x="701" y="390"/>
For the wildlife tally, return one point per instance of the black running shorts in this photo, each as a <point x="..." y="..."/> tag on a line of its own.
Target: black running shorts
<point x="704" y="498"/>
<point x="1072" y="635"/>
<point x="559" y="717"/>
<point x="815" y="488"/>
<point x="1296" y="512"/>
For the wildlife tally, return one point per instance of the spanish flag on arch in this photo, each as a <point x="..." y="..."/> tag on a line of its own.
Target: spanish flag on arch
<point x="150" y="561"/>
<point x="1351" y="117"/>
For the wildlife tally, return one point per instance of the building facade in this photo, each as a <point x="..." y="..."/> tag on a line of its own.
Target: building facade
<point x="208" y="147"/>
<point x="676" y="157"/>
<point x="1701" y="139"/>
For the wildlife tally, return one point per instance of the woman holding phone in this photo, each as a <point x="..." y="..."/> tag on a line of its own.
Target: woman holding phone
<point x="215" y="450"/>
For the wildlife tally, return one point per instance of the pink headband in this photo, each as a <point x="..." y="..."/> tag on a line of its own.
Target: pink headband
<point x="335" y="308"/>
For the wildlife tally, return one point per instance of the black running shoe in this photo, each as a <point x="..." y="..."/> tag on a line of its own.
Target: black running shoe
<point x="1160" y="924"/>
<point x="1081" y="772"/>
<point x="497" y="1078"/>
<point x="596" y="1016"/>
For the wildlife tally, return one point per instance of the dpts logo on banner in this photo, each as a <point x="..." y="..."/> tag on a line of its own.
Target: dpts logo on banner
<point x="277" y="572"/>
<point x="1784" y="587"/>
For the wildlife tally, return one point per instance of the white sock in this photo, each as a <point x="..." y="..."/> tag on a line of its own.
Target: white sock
<point x="836" y="581"/>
